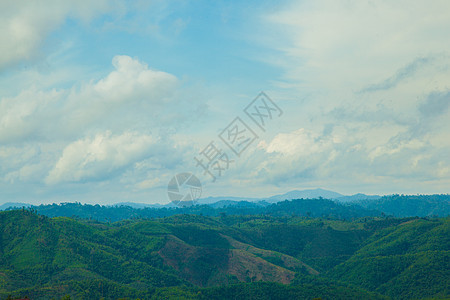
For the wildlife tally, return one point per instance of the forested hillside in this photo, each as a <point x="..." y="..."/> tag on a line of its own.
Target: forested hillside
<point x="401" y="260"/>
<point x="408" y="205"/>
<point x="223" y="257"/>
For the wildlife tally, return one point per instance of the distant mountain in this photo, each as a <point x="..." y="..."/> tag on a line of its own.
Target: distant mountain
<point x="210" y="200"/>
<point x="300" y="207"/>
<point x="305" y="194"/>
<point x="13" y="204"/>
<point x="344" y="207"/>
<point x="357" y="197"/>
<point x="229" y="203"/>
<point x="295" y="194"/>
<point x="138" y="205"/>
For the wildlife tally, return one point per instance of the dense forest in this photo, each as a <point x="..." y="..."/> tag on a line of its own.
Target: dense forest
<point x="394" y="205"/>
<point x="291" y="250"/>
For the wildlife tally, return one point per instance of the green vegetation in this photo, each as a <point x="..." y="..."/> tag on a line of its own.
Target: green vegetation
<point x="407" y="205"/>
<point x="401" y="260"/>
<point x="224" y="257"/>
<point x="399" y="206"/>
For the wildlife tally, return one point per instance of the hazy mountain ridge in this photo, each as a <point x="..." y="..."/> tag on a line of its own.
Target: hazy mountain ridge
<point x="305" y="194"/>
<point x="302" y="207"/>
<point x="294" y="194"/>
<point x="394" y="205"/>
<point x="358" y="197"/>
<point x="14" y="205"/>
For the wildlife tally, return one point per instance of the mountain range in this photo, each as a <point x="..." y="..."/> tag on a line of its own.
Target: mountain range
<point x="393" y="205"/>
<point x="295" y="194"/>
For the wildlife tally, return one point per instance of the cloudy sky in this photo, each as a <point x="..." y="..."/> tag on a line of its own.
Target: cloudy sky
<point x="105" y="101"/>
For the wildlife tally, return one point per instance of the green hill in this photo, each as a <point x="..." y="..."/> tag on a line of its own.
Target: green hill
<point x="400" y="261"/>
<point x="226" y="257"/>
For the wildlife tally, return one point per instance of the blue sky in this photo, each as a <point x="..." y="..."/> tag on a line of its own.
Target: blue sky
<point x="105" y="102"/>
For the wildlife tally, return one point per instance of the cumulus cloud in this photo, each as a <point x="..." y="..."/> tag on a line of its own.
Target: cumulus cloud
<point x="299" y="143"/>
<point x="311" y="158"/>
<point x="129" y="92"/>
<point x="298" y="154"/>
<point x="115" y="127"/>
<point x="28" y="114"/>
<point x="132" y="80"/>
<point x="372" y="78"/>
<point x="24" y="25"/>
<point x="100" y="156"/>
<point x="14" y="158"/>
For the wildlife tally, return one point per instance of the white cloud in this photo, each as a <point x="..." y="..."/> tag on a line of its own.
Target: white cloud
<point x="356" y="42"/>
<point x="132" y="80"/>
<point x="24" y="25"/>
<point x="131" y="92"/>
<point x="28" y="115"/>
<point x="360" y="55"/>
<point x="95" y="158"/>
<point x="298" y="154"/>
<point x="115" y="129"/>
<point x="149" y="183"/>
<point x="13" y="158"/>
<point x="299" y="143"/>
<point x="374" y="82"/>
<point x="373" y="79"/>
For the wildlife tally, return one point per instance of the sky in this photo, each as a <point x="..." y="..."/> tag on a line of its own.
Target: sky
<point x="106" y="101"/>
